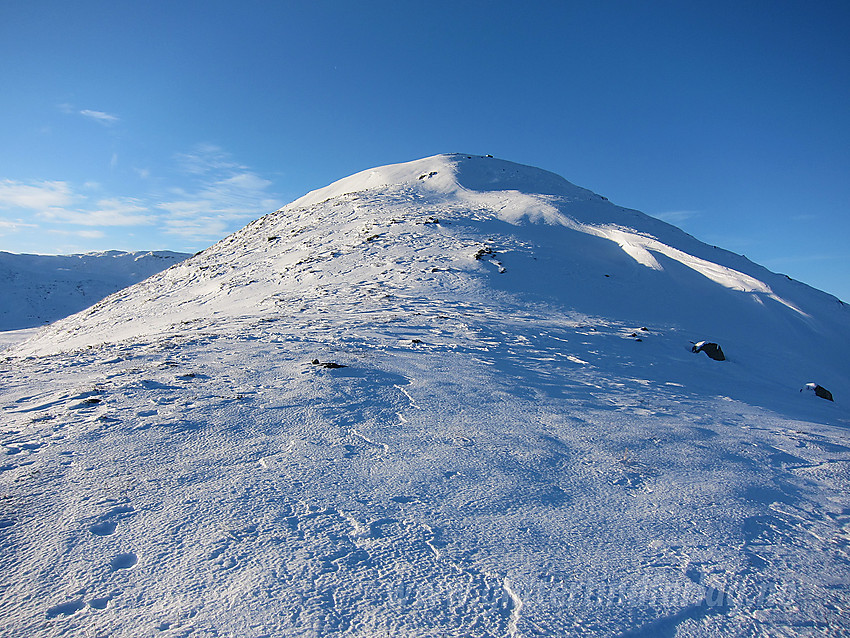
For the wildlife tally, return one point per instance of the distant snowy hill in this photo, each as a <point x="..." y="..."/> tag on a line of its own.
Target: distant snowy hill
<point x="38" y="289"/>
<point x="451" y="397"/>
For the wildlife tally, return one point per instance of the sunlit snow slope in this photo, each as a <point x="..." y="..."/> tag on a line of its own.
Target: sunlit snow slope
<point x="521" y="442"/>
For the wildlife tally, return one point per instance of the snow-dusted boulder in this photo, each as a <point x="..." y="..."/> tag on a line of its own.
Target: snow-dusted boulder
<point x="713" y="350"/>
<point x="820" y="391"/>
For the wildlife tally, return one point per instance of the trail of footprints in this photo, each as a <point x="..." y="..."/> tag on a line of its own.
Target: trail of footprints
<point x="103" y="525"/>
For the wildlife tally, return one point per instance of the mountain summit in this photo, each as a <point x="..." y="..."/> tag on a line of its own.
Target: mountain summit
<point x="478" y="229"/>
<point x="451" y="397"/>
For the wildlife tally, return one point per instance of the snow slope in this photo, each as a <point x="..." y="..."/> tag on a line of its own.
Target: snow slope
<point x="38" y="289"/>
<point x="520" y="443"/>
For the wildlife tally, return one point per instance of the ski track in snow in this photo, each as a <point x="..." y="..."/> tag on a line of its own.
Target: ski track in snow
<point x="488" y="463"/>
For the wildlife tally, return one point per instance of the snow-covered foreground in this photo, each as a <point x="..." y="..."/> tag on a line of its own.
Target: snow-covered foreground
<point x="508" y="451"/>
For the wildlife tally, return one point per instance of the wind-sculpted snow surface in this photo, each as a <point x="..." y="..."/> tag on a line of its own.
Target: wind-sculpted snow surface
<point x="517" y="444"/>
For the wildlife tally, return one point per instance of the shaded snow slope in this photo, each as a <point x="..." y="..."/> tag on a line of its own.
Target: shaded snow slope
<point x="38" y="289"/>
<point x="520" y="443"/>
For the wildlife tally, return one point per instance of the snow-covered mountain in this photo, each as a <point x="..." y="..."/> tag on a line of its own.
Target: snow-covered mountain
<point x="38" y="289"/>
<point x="451" y="397"/>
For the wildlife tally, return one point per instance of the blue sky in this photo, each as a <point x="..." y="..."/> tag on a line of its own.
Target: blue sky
<point x="167" y="125"/>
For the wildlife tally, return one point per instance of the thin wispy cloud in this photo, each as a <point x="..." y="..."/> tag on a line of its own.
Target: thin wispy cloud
<point x="35" y="196"/>
<point x="224" y="192"/>
<point x="206" y="160"/>
<point x="100" y="116"/>
<point x="91" y="234"/>
<point x="202" y="227"/>
<point x="86" y="234"/>
<point x="104" y="212"/>
<point x="57" y="202"/>
<point x="217" y="195"/>
<point x="13" y="225"/>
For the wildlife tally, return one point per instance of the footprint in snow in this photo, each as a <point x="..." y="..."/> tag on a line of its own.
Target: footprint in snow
<point x="108" y="522"/>
<point x="124" y="561"/>
<point x="17" y="447"/>
<point x="150" y="384"/>
<point x="65" y="609"/>
<point x="98" y="603"/>
<point x="105" y="528"/>
<point x="403" y="499"/>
